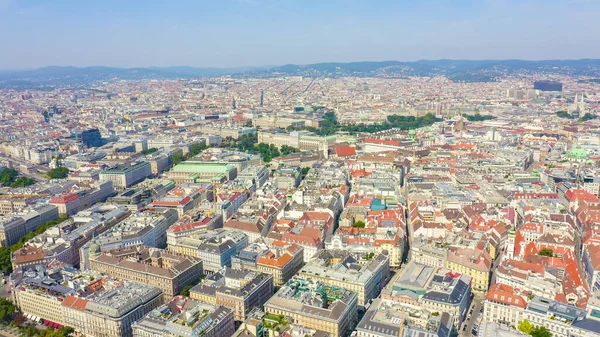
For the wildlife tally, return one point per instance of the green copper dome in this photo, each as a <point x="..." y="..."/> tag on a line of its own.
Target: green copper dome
<point x="577" y="153"/>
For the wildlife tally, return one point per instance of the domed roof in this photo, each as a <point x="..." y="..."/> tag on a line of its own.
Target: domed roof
<point x="94" y="248"/>
<point x="577" y="153"/>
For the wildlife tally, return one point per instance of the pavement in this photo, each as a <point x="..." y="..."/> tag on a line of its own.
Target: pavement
<point x="4" y="331"/>
<point x="476" y="306"/>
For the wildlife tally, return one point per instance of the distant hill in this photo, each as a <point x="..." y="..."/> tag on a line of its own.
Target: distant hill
<point x="457" y="70"/>
<point x="460" y="70"/>
<point x="51" y="76"/>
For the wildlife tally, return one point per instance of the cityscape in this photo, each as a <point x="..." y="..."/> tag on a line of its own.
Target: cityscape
<point x="430" y="198"/>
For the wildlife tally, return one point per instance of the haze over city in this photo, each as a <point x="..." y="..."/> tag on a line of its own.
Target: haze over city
<point x="263" y="168"/>
<point x="231" y="33"/>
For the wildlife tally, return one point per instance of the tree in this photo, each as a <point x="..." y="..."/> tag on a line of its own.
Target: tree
<point x="22" y="182"/>
<point x="305" y="171"/>
<point x="588" y="116"/>
<point x="359" y="224"/>
<point x="477" y="117"/>
<point x="58" y="173"/>
<point x="540" y="331"/>
<point x="525" y="326"/>
<point x="7" y="310"/>
<point x="18" y="319"/>
<point x="546" y="252"/>
<point x="149" y="151"/>
<point x="177" y="158"/>
<point x="197" y="148"/>
<point x="65" y="331"/>
<point x="5" y="264"/>
<point x="186" y="290"/>
<point x="285" y="150"/>
<point x="8" y="176"/>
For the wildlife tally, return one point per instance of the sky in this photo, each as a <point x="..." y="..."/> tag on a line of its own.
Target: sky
<point x="231" y="33"/>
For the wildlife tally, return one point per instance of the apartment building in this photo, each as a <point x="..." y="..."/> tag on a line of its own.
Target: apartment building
<point x="110" y="307"/>
<point x="473" y="262"/>
<point x="386" y="318"/>
<point x="364" y="275"/>
<point x="390" y="241"/>
<point x="215" y="247"/>
<point x="38" y="290"/>
<point x="152" y="266"/>
<point x="185" y="317"/>
<point x="432" y="288"/>
<point x="509" y="306"/>
<point x="193" y="222"/>
<point x="280" y="259"/>
<point x="315" y="305"/>
<point x="15" y="203"/>
<point x="145" y="227"/>
<point x="58" y="295"/>
<point x="240" y="290"/>
<point x="82" y="197"/>
<point x="63" y="241"/>
<point x="16" y="225"/>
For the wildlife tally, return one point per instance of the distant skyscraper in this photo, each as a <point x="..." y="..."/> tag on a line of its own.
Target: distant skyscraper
<point x="233" y="105"/>
<point x="91" y="138"/>
<point x="547" y="86"/>
<point x="262" y="97"/>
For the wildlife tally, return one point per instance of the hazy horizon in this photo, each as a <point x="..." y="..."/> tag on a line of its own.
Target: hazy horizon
<point x="283" y="64"/>
<point x="253" y="33"/>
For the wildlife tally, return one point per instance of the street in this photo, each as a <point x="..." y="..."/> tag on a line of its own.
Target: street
<point x="475" y="308"/>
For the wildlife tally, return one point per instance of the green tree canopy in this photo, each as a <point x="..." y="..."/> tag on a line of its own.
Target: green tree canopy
<point x="7" y="309"/>
<point x="186" y="290"/>
<point x="478" y="117"/>
<point x="546" y="252"/>
<point x="525" y="326"/>
<point x="177" y="158"/>
<point x="149" y="151"/>
<point x="58" y="173"/>
<point x="359" y="224"/>
<point x="197" y="148"/>
<point x="540" y="331"/>
<point x="10" y="177"/>
<point x="305" y="171"/>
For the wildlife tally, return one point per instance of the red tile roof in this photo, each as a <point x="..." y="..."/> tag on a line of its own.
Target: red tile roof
<point x="345" y="151"/>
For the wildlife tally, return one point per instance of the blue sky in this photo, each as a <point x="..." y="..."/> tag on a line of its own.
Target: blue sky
<point x="225" y="33"/>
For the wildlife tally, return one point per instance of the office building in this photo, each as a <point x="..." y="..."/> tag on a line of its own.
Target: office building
<point x="125" y="175"/>
<point x="91" y="138"/>
<point x="547" y="86"/>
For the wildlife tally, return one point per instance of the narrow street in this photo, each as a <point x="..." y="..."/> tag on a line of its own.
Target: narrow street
<point x="473" y="311"/>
